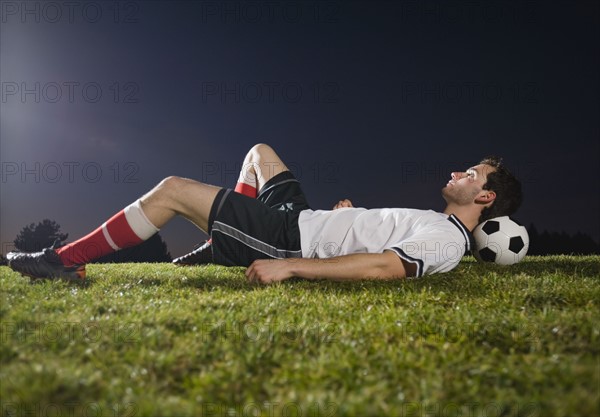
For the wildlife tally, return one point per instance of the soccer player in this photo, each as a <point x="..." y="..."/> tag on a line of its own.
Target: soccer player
<point x="267" y="225"/>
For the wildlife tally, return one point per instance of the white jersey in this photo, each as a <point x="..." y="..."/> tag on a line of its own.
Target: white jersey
<point x="434" y="241"/>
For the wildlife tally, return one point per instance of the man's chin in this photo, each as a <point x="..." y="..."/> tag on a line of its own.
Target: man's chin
<point x="445" y="193"/>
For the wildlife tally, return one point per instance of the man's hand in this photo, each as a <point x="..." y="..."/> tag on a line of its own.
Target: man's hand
<point x="343" y="203"/>
<point x="267" y="271"/>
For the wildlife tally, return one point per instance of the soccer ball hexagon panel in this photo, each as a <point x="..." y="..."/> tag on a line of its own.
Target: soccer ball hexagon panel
<point x="500" y="240"/>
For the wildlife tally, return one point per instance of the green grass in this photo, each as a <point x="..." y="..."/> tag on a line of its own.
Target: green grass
<point x="154" y="339"/>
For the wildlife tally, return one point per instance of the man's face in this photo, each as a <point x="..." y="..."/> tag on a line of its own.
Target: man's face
<point x="464" y="187"/>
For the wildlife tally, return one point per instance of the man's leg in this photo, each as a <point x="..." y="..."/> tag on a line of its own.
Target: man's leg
<point x="179" y="196"/>
<point x="247" y="229"/>
<point x="261" y="163"/>
<point x="129" y="227"/>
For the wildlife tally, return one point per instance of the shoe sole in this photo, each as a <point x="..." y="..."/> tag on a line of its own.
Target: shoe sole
<point x="80" y="272"/>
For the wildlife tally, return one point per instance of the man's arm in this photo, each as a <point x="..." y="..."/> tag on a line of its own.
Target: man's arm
<point x="385" y="266"/>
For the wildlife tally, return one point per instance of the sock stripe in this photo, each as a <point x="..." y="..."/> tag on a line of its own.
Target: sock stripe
<point x="245" y="189"/>
<point x="111" y="242"/>
<point x="121" y="232"/>
<point x="139" y="223"/>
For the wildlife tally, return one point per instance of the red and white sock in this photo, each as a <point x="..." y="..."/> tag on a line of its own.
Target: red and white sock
<point x="246" y="183"/>
<point x="127" y="228"/>
<point x="246" y="189"/>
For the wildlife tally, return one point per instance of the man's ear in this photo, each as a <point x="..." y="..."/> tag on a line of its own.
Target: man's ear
<point x="485" y="197"/>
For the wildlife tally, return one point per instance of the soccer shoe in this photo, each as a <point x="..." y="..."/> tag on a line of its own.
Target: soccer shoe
<point x="199" y="256"/>
<point x="45" y="264"/>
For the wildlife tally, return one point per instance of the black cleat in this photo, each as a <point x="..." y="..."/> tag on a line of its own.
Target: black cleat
<point x="44" y="265"/>
<point x="199" y="256"/>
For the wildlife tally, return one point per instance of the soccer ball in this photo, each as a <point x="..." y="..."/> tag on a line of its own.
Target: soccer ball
<point x="500" y="240"/>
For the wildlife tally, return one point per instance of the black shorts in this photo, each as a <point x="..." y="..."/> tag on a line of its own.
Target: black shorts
<point x="244" y="229"/>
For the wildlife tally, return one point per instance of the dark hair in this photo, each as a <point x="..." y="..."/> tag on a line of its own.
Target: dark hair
<point x="507" y="188"/>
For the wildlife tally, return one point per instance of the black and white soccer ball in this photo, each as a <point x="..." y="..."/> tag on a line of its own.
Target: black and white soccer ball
<point x="500" y="240"/>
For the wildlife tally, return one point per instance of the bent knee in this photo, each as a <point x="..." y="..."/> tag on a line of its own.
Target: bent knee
<point x="174" y="183"/>
<point x="261" y="149"/>
<point x="171" y="181"/>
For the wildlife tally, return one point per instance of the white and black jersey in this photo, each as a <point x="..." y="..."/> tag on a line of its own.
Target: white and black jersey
<point x="434" y="241"/>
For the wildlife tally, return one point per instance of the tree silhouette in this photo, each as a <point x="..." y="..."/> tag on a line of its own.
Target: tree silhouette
<point x="556" y="243"/>
<point x="152" y="250"/>
<point x="35" y="237"/>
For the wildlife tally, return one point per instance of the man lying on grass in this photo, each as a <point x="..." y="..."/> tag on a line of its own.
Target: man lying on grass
<point x="267" y="225"/>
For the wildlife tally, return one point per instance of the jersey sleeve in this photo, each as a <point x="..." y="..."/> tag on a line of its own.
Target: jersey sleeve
<point x="432" y="252"/>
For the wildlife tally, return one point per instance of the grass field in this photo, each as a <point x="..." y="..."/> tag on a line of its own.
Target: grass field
<point x="157" y="340"/>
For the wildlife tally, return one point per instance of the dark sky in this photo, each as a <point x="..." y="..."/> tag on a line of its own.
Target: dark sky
<point x="373" y="101"/>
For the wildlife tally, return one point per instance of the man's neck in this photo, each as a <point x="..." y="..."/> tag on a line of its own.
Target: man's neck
<point x="468" y="216"/>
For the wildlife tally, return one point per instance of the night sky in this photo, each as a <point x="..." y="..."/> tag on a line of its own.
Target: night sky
<point x="373" y="101"/>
